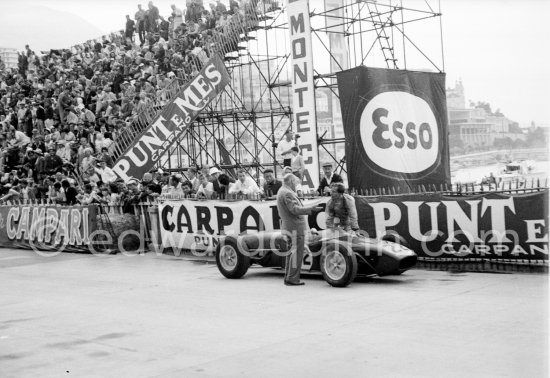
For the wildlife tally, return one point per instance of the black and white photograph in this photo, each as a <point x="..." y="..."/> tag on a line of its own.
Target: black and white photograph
<point x="274" y="188"/>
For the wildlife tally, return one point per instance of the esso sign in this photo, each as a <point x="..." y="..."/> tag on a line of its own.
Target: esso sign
<point x="399" y="132"/>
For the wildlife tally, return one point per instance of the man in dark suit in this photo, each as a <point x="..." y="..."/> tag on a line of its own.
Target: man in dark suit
<point x="329" y="178"/>
<point x="293" y="223"/>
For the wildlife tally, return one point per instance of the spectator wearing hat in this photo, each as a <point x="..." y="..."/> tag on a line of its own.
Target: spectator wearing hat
<point x="329" y="177"/>
<point x="214" y="174"/>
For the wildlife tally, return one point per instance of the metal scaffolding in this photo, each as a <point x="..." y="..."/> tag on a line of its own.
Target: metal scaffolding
<point x="242" y="127"/>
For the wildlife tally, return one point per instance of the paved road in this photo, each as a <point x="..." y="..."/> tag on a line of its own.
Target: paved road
<point x="161" y="316"/>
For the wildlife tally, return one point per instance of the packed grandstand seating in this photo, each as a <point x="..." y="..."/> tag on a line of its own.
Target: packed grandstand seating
<point x="67" y="114"/>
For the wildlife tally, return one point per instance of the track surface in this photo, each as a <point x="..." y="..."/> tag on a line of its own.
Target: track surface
<point x="163" y="316"/>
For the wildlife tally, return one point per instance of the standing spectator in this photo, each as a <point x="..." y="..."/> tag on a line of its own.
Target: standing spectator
<point x="63" y="102"/>
<point x="153" y="16"/>
<point x="39" y="170"/>
<point x="40" y="116"/>
<point x="297" y="163"/>
<point x="140" y="20"/>
<point x="130" y="28"/>
<point x="284" y="148"/>
<point x="177" y="16"/>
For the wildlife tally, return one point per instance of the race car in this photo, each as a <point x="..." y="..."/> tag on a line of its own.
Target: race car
<point x="337" y="254"/>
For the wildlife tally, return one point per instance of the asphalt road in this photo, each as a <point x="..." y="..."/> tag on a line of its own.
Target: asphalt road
<point x="162" y="316"/>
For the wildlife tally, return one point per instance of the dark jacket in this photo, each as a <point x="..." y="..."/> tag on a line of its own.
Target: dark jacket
<point x="324" y="183"/>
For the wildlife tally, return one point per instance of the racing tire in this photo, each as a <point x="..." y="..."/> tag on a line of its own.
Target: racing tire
<point x="338" y="265"/>
<point x="231" y="262"/>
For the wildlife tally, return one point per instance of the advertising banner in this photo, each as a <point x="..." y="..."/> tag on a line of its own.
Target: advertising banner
<point x="47" y="227"/>
<point x="303" y="91"/>
<point x="491" y="226"/>
<point x="140" y="157"/>
<point x="395" y="123"/>
<point x="197" y="225"/>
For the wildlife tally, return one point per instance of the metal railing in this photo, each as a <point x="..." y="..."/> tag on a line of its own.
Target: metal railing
<point x="223" y="43"/>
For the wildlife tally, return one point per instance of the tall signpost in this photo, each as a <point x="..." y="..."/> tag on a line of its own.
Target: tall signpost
<point x="303" y="90"/>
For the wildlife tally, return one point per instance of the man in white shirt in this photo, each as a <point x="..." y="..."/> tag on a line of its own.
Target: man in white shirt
<point x="107" y="175"/>
<point x="284" y="147"/>
<point x="244" y="185"/>
<point x="19" y="138"/>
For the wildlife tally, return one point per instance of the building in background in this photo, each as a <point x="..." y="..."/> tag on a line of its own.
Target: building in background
<point x="476" y="126"/>
<point x="9" y="56"/>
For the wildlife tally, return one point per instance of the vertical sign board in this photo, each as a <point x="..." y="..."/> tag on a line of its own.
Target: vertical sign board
<point x="303" y="91"/>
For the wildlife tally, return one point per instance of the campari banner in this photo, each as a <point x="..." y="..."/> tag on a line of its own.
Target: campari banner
<point x="490" y="226"/>
<point x="395" y="123"/>
<point x="47" y="227"/>
<point x="174" y="119"/>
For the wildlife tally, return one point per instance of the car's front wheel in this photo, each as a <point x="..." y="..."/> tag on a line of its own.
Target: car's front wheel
<point x="231" y="262"/>
<point x="338" y="265"/>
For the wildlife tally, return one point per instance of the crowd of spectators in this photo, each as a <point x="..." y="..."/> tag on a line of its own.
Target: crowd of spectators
<point x="62" y="111"/>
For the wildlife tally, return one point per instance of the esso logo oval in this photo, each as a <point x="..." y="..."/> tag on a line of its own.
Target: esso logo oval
<point x="399" y="132"/>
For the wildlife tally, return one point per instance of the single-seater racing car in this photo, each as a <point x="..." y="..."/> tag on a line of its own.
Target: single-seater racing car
<point x="337" y="254"/>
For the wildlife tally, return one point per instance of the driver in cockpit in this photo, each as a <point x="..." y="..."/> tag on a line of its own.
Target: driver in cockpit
<point x="340" y="209"/>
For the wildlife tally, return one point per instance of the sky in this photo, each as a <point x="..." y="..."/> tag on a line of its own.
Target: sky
<point x="498" y="48"/>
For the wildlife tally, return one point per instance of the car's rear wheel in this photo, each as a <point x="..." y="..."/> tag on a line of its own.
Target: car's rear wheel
<point x="338" y="265"/>
<point x="231" y="262"/>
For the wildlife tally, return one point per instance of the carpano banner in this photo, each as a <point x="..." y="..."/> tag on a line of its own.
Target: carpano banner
<point x="47" y="227"/>
<point x="303" y="91"/>
<point x="490" y="226"/>
<point x="399" y="114"/>
<point x="174" y="119"/>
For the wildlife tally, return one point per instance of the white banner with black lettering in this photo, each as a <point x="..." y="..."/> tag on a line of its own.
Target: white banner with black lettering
<point x="197" y="225"/>
<point x="303" y="91"/>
